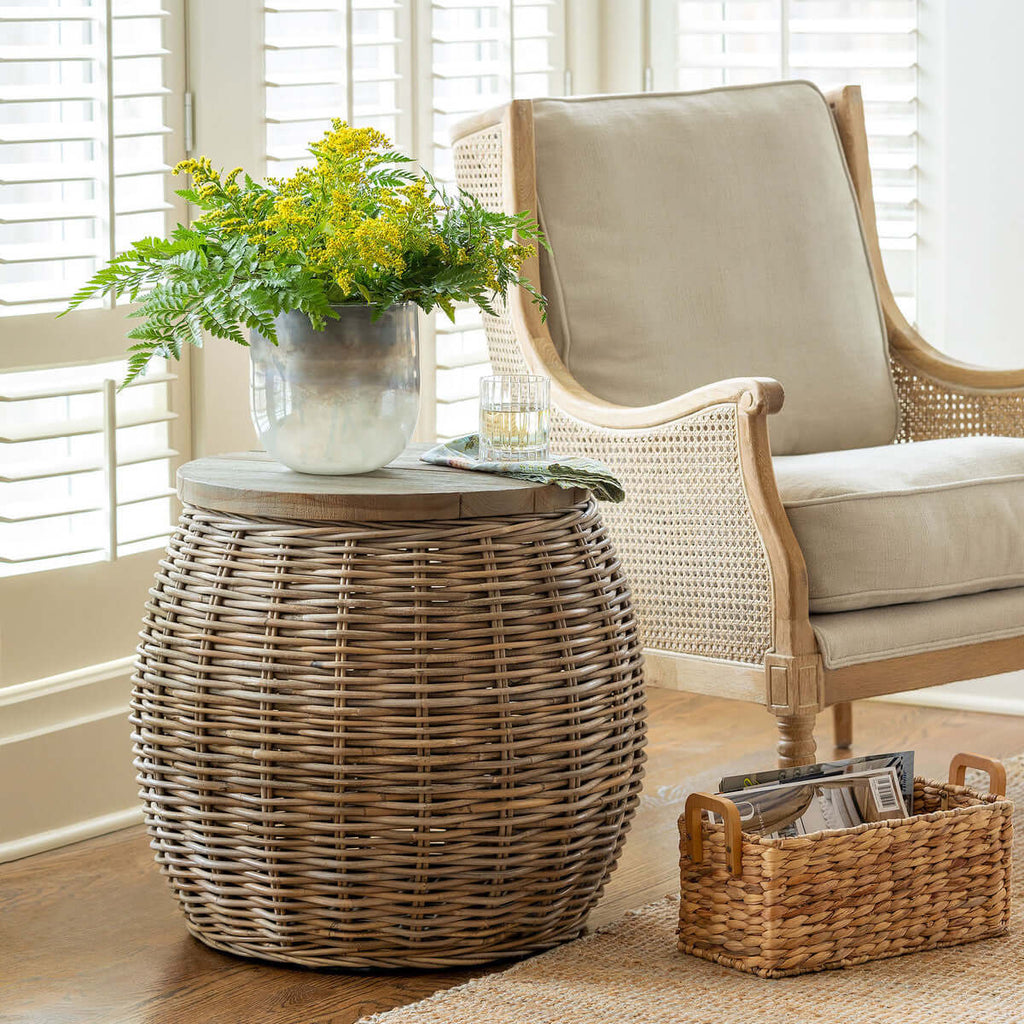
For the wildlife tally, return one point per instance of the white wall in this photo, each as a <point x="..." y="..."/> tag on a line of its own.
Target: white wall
<point x="972" y="162"/>
<point x="971" y="224"/>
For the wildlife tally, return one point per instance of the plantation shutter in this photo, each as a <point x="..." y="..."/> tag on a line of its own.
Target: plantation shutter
<point x="91" y="103"/>
<point x="350" y="60"/>
<point x="483" y="54"/>
<point x="411" y="69"/>
<point x="871" y="43"/>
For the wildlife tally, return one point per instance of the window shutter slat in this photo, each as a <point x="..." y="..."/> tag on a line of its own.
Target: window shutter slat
<point x="72" y="467"/>
<point x="69" y="427"/>
<point x="57" y="14"/>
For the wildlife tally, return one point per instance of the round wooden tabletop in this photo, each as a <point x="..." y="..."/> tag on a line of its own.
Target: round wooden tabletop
<point x="254" y="484"/>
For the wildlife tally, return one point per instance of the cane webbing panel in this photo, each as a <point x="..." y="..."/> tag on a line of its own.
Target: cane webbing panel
<point x="686" y="533"/>
<point x="506" y="356"/>
<point x="477" y="161"/>
<point x="931" y="408"/>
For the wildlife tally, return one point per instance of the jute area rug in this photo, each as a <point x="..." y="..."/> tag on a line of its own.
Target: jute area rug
<point x="630" y="971"/>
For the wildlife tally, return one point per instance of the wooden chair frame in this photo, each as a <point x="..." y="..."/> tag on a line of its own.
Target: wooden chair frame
<point x="938" y="397"/>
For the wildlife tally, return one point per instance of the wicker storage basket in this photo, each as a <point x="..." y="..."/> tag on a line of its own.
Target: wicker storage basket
<point x="776" y="907"/>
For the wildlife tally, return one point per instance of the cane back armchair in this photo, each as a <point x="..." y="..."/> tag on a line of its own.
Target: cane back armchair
<point x="707" y="251"/>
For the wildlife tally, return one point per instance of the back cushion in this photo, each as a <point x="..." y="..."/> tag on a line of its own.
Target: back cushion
<point x="698" y="236"/>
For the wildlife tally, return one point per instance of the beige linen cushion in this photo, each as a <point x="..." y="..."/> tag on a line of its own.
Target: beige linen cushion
<point x="699" y="236"/>
<point x="899" y="630"/>
<point x="909" y="522"/>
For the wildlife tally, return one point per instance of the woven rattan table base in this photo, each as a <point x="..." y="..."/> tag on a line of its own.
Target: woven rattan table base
<point x="389" y="744"/>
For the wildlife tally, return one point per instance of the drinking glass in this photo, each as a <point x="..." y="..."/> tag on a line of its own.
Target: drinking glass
<point x="515" y="413"/>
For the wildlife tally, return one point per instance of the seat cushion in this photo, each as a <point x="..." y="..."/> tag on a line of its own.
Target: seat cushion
<point x="700" y="236"/>
<point x="907" y="523"/>
<point x="875" y="634"/>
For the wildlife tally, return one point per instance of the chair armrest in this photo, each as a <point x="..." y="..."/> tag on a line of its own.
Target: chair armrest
<point x="752" y="395"/>
<point x="909" y="348"/>
<point x="716" y="570"/>
<point x="942" y="397"/>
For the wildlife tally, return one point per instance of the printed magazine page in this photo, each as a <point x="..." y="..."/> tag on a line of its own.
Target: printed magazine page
<point x="901" y="761"/>
<point x="804" y="806"/>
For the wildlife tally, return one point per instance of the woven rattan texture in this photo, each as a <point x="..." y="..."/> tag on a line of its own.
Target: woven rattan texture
<point x="389" y="744"/>
<point x="931" y="409"/>
<point x="506" y="356"/>
<point x="841" y="898"/>
<point x="686" y="532"/>
<point x="477" y="162"/>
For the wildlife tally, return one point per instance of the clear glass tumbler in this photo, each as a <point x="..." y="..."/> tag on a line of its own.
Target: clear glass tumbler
<point x="515" y="416"/>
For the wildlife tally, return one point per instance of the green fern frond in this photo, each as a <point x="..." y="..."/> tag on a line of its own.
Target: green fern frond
<point x="358" y="226"/>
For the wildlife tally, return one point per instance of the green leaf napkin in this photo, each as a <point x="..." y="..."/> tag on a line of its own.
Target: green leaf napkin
<point x="464" y="453"/>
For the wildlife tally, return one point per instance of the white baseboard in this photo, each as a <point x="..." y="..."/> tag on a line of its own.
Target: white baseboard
<point x="997" y="695"/>
<point x="54" y="702"/>
<point x="958" y="701"/>
<point x="68" y="834"/>
<point x="65" y="759"/>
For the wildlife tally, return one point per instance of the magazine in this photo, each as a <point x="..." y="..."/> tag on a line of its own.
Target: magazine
<point x="803" y="806"/>
<point x="902" y="762"/>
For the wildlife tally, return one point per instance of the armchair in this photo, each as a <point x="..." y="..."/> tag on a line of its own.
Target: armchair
<point x="782" y="548"/>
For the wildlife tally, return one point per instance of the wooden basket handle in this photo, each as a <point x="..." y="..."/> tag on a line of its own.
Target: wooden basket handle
<point x="996" y="772"/>
<point x="697" y="802"/>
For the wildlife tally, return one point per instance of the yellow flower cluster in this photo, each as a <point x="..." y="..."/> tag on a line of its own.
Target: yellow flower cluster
<point x="347" y="219"/>
<point x="220" y="197"/>
<point x="364" y="226"/>
<point x="199" y="167"/>
<point x="343" y="143"/>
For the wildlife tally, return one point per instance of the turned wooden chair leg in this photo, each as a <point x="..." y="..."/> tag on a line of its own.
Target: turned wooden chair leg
<point x="842" y="725"/>
<point x="796" y="739"/>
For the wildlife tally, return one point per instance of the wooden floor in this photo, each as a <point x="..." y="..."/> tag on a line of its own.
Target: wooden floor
<point x="90" y="933"/>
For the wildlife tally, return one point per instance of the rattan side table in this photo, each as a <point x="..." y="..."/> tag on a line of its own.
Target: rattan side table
<point x="390" y="720"/>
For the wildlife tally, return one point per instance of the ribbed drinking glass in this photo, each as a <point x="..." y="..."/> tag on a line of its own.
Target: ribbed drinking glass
<point x="515" y="416"/>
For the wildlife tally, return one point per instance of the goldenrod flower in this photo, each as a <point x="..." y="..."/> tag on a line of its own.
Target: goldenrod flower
<point x="362" y="225"/>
